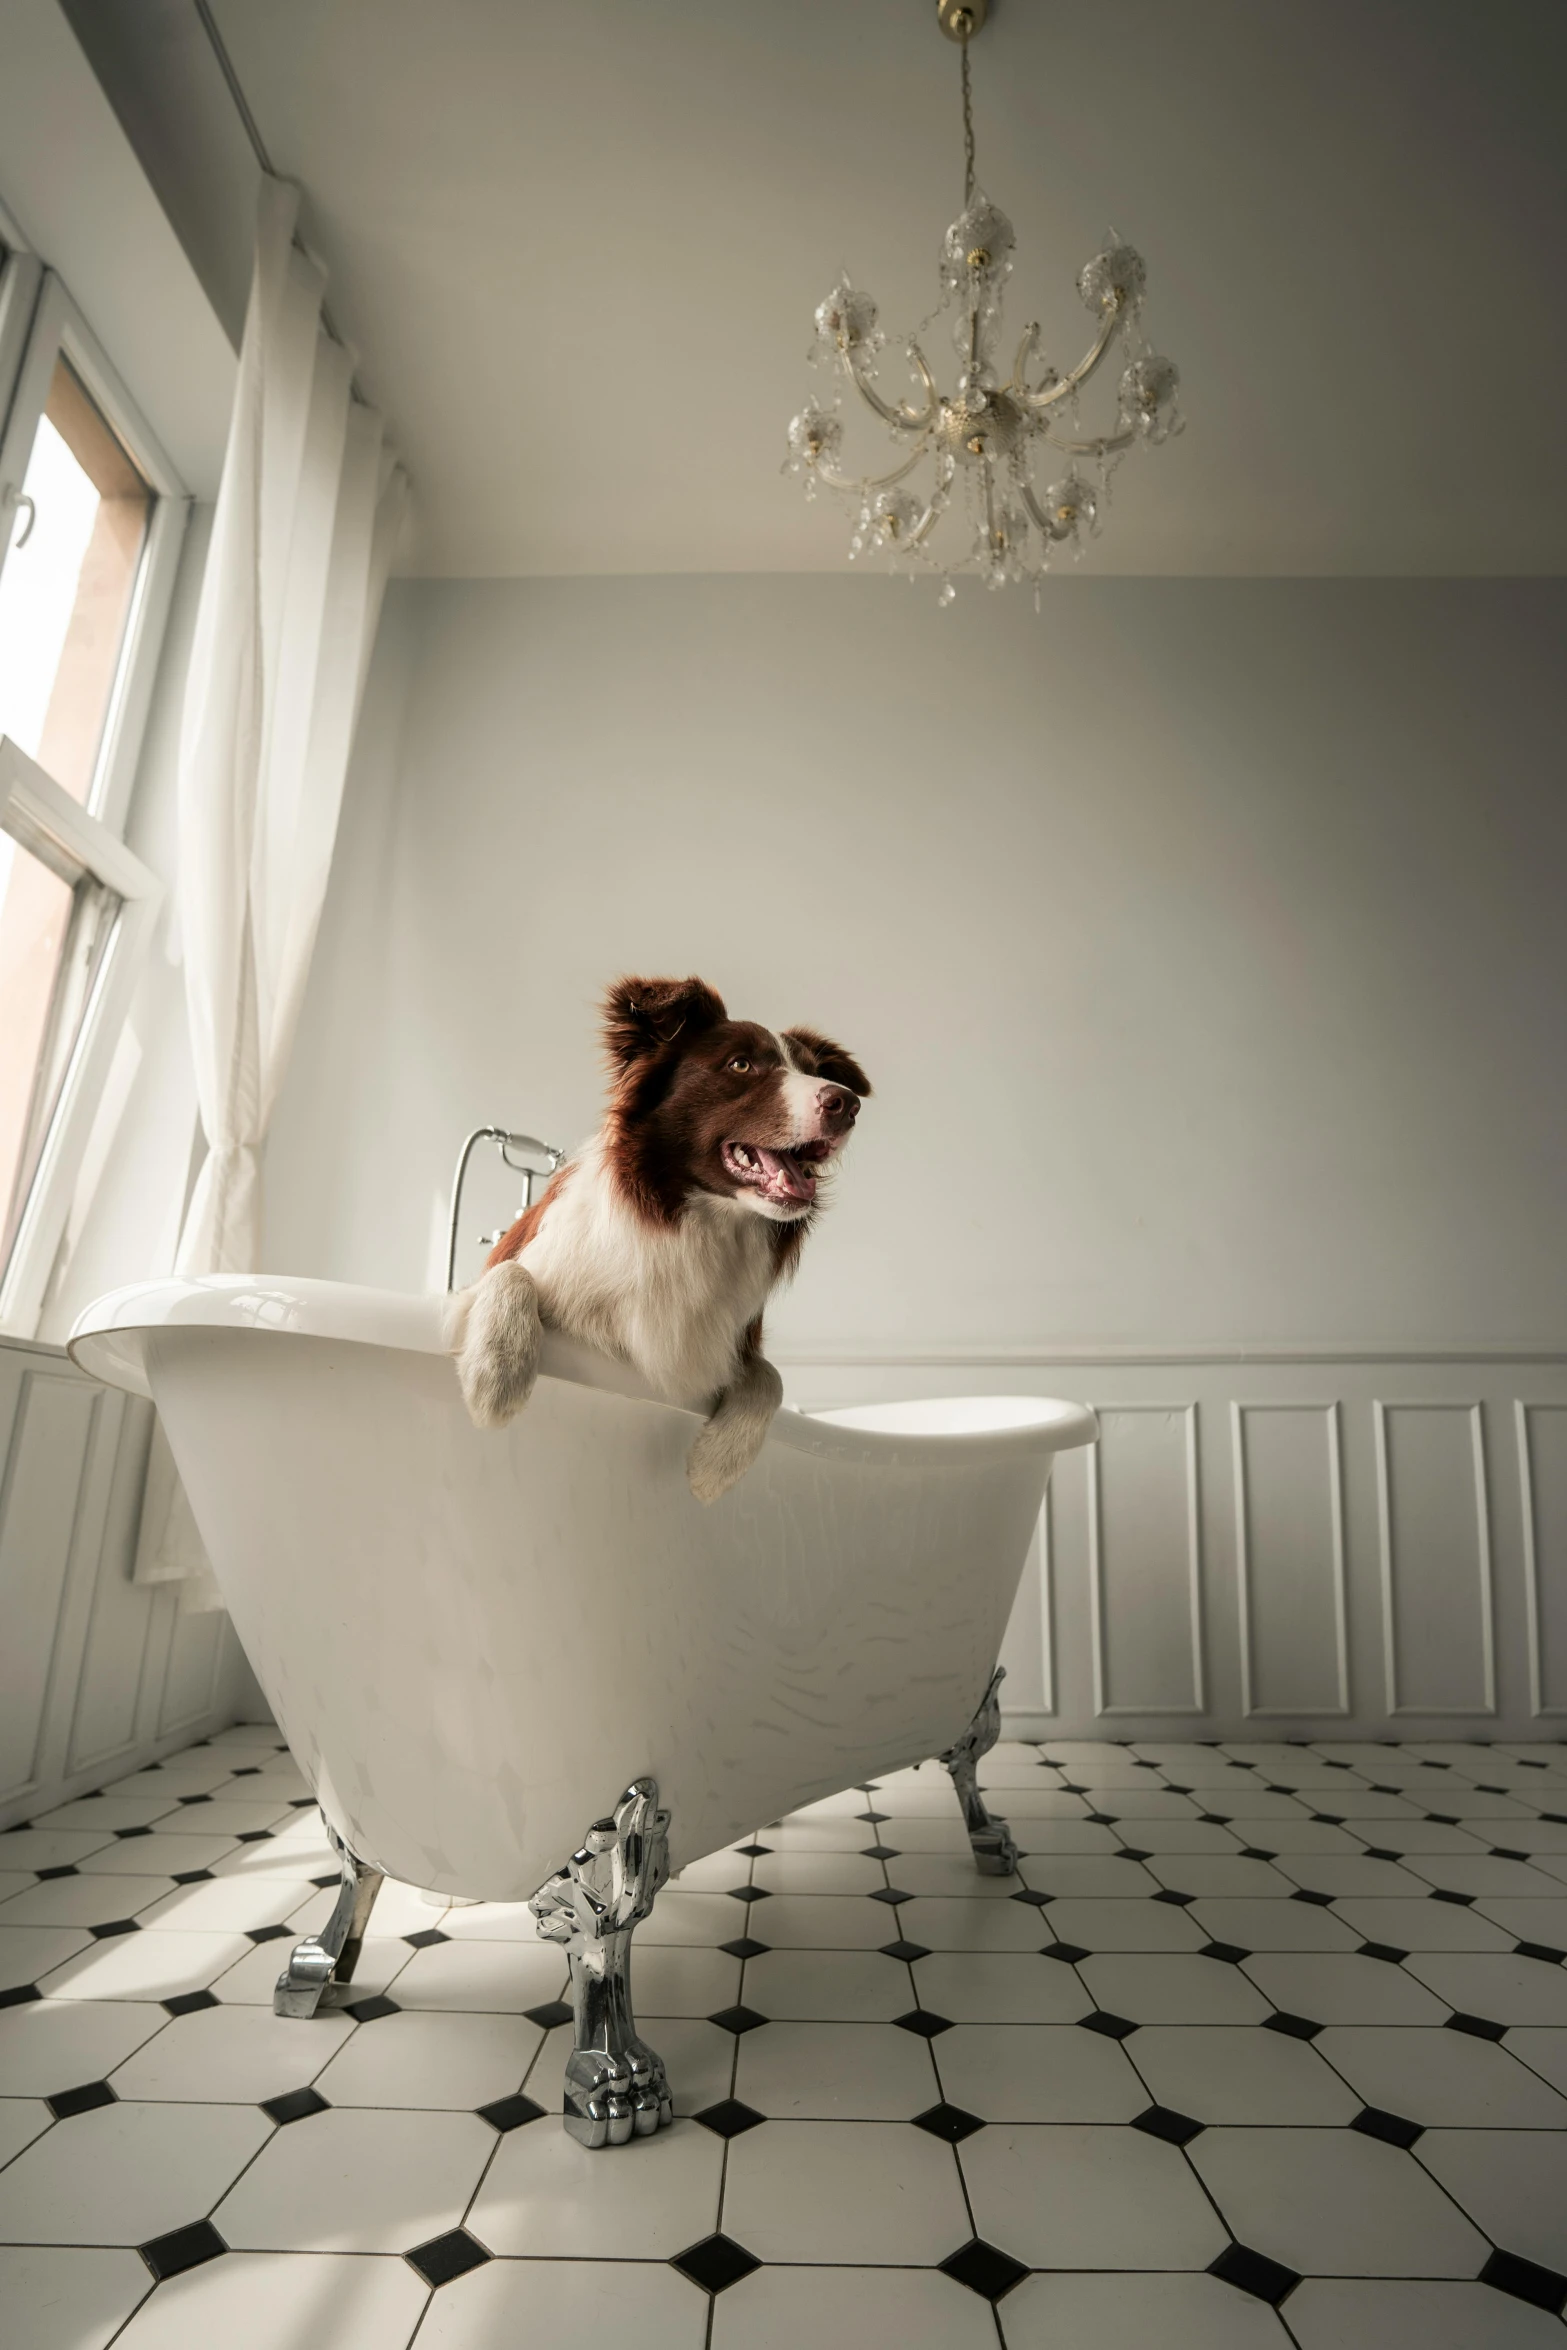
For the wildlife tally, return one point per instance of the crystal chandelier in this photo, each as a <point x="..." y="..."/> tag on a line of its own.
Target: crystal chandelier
<point x="981" y="443"/>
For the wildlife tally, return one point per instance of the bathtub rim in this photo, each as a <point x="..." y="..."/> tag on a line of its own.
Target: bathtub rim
<point x="109" y="1341"/>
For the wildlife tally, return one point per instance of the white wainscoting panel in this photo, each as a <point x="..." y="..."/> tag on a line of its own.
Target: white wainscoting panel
<point x="97" y="1675"/>
<point x="1289" y="1541"/>
<point x="1280" y="1543"/>
<point x="1439" y="1641"/>
<point x="1542" y="1472"/>
<point x="1145" y="1561"/>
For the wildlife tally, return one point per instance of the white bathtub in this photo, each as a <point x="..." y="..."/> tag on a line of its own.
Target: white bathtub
<point x="473" y="1642"/>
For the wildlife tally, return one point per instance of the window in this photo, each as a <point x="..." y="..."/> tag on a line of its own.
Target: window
<point x="91" y="517"/>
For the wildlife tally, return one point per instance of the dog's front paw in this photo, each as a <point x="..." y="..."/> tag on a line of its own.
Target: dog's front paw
<point x="498" y="1354"/>
<point x="722" y="1454"/>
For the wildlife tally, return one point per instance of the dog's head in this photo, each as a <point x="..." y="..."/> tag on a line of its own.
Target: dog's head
<point x="705" y="1103"/>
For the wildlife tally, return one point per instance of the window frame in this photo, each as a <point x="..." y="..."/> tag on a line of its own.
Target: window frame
<point x="39" y="324"/>
<point x="33" y="804"/>
<point x="58" y="330"/>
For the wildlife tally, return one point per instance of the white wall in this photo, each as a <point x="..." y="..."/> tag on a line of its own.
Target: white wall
<point x="1203" y="940"/>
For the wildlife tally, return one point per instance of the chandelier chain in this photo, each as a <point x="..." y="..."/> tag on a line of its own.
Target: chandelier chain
<point x="968" y="130"/>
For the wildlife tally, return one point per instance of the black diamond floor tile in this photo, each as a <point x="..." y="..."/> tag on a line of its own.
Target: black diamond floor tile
<point x="1174" y="1899"/>
<point x="1317" y="1900"/>
<point x="1383" y="1950"/>
<point x="332" y="1877"/>
<point x="113" y="1926"/>
<point x="984" y="2268"/>
<point x="873" y="1819"/>
<point x="510" y="2113"/>
<point x="188" y="1800"/>
<point x="297" y="2105"/>
<point x="1391" y="2128"/>
<point x="1508" y="1852"/>
<point x="192" y="1876"/>
<point x="182" y="2248"/>
<point x="1329" y="1819"/>
<point x="426" y="1939"/>
<point x="1162" y="2121"/>
<point x="716" y="2263"/>
<point x="260" y="1934"/>
<point x="70" y="1869"/>
<point x="748" y="1892"/>
<point x="1478" y="2027"/>
<point x="729" y="2118"/>
<point x="90" y="2095"/>
<point x="247" y="1771"/>
<point x="1459" y="1900"/>
<point x="190" y="2002"/>
<point x="754" y="1851"/>
<point x="124" y="1835"/>
<point x="1216" y="1819"/>
<point x="301" y="1802"/>
<point x="891" y="1894"/>
<point x="904" y="1950"/>
<point x="1256" y="1852"/>
<point x="1068" y="1952"/>
<point x="745" y="1946"/>
<point x="1133" y="1852"/>
<point x="737" y="2020"/>
<point x="1526" y="2281"/>
<point x="448" y="2256"/>
<point x="1382" y="1852"/>
<point x="1543" y="1951"/>
<point x="264" y="1836"/>
<point x="951" y="2122"/>
<point x="924" y="2021"/>
<point x="881" y="1852"/>
<point x="550" y="2013"/>
<point x="1114" y="2027"/>
<point x="1231" y="1952"/>
<point x="1253" y="2272"/>
<point x="370" y="2011"/>
<point x="1298" y="2027"/>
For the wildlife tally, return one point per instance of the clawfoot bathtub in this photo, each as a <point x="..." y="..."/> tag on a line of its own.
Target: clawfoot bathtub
<point x="475" y="1642"/>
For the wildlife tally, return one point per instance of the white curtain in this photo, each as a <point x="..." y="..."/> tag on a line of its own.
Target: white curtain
<point x="307" y="516"/>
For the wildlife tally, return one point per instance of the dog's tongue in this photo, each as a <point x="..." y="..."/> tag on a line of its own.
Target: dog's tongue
<point x="781" y="1168"/>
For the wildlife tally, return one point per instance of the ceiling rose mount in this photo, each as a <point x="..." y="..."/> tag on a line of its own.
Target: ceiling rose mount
<point x="960" y="20"/>
<point x="976" y="447"/>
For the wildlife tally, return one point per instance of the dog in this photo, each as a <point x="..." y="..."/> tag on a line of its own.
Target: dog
<point x="663" y="1238"/>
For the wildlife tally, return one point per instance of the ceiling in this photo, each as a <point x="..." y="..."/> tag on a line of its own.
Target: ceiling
<point x="577" y="248"/>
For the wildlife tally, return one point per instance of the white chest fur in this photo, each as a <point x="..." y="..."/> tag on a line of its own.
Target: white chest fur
<point x="675" y="1302"/>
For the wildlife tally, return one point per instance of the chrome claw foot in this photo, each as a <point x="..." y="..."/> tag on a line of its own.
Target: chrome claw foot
<point x="990" y="1839"/>
<point x="324" y="1963"/>
<point x="608" y="2102"/>
<point x="616" y="2087"/>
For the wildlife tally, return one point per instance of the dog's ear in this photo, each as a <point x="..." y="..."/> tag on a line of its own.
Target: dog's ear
<point x="820" y="1057"/>
<point x="642" y="1014"/>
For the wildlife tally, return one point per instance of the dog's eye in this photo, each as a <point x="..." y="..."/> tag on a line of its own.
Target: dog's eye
<point x="740" y="1065"/>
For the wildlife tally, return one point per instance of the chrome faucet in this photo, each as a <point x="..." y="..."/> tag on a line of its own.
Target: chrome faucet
<point x="507" y="1143"/>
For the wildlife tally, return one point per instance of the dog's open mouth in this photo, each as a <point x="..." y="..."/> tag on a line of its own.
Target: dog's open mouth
<point x="785" y="1178"/>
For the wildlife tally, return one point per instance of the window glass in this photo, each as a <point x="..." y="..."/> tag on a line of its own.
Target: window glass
<point x="52" y="935"/>
<point x="65" y="594"/>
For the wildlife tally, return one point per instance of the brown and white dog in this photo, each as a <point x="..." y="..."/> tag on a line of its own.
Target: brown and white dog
<point x="661" y="1241"/>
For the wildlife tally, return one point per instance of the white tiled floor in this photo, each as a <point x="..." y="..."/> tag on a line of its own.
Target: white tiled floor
<point x="1264" y="2045"/>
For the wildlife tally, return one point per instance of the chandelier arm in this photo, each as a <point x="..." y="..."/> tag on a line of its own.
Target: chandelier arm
<point x="1025" y="490"/>
<point x="1105" y="446"/>
<point x="872" y="481"/>
<point x="902" y="418"/>
<point x="1020" y="365"/>
<point x="1067" y="384"/>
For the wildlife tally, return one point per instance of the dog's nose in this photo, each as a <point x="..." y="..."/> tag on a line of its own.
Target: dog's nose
<point x="837" y="1105"/>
